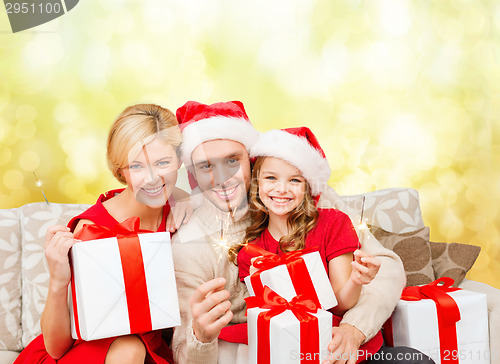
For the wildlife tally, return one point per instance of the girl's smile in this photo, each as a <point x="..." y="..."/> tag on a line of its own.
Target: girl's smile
<point x="281" y="186"/>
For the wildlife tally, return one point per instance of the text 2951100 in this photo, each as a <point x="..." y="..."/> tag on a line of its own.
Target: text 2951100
<point x="39" y="8"/>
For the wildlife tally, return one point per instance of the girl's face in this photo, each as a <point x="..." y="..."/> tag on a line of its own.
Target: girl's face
<point x="152" y="173"/>
<point x="281" y="186"/>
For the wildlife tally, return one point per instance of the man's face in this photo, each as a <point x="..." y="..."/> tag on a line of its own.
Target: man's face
<point x="222" y="170"/>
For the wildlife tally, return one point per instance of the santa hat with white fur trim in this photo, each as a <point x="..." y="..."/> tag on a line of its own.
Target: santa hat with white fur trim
<point x="223" y="120"/>
<point x="300" y="148"/>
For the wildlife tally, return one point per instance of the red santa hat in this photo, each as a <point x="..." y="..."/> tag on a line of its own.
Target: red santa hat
<point x="223" y="120"/>
<point x="300" y="148"/>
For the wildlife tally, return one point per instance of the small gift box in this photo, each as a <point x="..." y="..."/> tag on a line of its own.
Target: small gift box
<point x="297" y="331"/>
<point x="123" y="284"/>
<point x="293" y="273"/>
<point x="448" y="324"/>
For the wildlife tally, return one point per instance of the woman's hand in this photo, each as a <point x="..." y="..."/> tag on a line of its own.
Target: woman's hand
<point x="364" y="267"/>
<point x="179" y="214"/>
<point x="58" y="242"/>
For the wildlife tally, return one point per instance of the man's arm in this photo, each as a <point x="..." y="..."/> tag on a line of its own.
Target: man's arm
<point x="378" y="298"/>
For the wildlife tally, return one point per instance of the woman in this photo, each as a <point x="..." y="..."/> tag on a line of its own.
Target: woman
<point x="142" y="152"/>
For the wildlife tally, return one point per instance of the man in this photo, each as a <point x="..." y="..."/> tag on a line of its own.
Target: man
<point x="216" y="139"/>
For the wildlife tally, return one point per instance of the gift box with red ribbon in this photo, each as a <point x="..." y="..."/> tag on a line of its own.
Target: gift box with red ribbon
<point x="297" y="331"/>
<point x="295" y="273"/>
<point x="448" y="324"/>
<point x="122" y="282"/>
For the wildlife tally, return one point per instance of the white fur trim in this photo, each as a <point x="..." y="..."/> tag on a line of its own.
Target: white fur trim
<point x="298" y="152"/>
<point x="218" y="127"/>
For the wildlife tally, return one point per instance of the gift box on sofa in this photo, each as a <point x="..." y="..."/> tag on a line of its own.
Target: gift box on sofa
<point x="297" y="331"/>
<point x="450" y="325"/>
<point x="123" y="285"/>
<point x="293" y="273"/>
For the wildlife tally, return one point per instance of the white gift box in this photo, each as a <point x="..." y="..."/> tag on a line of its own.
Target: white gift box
<point x="100" y="288"/>
<point x="415" y="325"/>
<point x="285" y="337"/>
<point x="279" y="280"/>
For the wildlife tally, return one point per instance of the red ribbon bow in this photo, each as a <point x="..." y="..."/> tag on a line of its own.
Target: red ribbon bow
<point x="448" y="314"/>
<point x="134" y="274"/>
<point x="301" y="307"/>
<point x="126" y="228"/>
<point x="296" y="266"/>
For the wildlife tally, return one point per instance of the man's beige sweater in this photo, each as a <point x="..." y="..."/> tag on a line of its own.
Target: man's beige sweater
<point x="198" y="258"/>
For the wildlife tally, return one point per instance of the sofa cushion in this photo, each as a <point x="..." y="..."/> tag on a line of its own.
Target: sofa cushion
<point x="35" y="219"/>
<point x="10" y="280"/>
<point x="453" y="260"/>
<point x="395" y="210"/>
<point x="413" y="249"/>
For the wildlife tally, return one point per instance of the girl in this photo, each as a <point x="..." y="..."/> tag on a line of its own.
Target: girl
<point x="142" y="152"/>
<point x="289" y="173"/>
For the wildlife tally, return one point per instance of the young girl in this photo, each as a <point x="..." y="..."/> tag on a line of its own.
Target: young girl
<point x="289" y="173"/>
<point x="142" y="152"/>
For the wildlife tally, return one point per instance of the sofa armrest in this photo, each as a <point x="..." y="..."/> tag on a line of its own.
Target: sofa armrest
<point x="493" y="298"/>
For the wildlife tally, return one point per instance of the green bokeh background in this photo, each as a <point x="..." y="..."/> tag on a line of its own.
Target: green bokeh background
<point x="400" y="93"/>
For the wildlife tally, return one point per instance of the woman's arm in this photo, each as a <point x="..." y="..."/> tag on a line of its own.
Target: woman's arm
<point x="181" y="211"/>
<point x="55" y="321"/>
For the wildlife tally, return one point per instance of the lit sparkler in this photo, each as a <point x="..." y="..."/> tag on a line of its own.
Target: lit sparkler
<point x="222" y="243"/>
<point x="39" y="185"/>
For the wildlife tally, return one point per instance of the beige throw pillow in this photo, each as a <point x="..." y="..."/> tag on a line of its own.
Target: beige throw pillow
<point x="10" y="280"/>
<point x="413" y="249"/>
<point x="453" y="260"/>
<point x="35" y="219"/>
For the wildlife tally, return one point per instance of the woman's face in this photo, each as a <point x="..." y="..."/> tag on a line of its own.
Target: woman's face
<point x="152" y="173"/>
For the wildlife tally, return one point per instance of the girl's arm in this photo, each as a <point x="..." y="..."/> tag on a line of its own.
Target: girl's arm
<point x="347" y="277"/>
<point x="55" y="321"/>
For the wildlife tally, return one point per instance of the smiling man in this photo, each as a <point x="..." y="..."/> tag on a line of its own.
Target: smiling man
<point x="216" y="139"/>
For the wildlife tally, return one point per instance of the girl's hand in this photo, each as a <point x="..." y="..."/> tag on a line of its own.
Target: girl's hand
<point x="58" y="242"/>
<point x="364" y="267"/>
<point x="179" y="214"/>
<point x="252" y="269"/>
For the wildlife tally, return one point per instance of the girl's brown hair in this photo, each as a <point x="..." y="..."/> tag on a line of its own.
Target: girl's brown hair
<point x="300" y="221"/>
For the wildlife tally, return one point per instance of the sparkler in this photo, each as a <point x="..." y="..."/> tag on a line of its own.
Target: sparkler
<point x="39" y="185"/>
<point x="362" y="224"/>
<point x="222" y="243"/>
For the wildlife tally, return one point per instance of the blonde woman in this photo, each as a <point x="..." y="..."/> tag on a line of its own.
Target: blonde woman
<point x="143" y="153"/>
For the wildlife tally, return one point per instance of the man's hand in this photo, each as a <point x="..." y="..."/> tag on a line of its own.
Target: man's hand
<point x="210" y="308"/>
<point x="346" y="340"/>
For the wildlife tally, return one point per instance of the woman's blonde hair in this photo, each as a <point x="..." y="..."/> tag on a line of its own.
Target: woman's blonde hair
<point x="300" y="221"/>
<point x="135" y="127"/>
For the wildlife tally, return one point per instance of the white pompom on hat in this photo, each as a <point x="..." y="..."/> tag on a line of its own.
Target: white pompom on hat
<point x="223" y="120"/>
<point x="300" y="148"/>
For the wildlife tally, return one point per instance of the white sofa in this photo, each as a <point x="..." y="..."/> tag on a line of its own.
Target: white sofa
<point x="24" y="275"/>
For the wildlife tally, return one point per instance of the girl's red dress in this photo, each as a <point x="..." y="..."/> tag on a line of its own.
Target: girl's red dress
<point x="333" y="235"/>
<point x="84" y="352"/>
